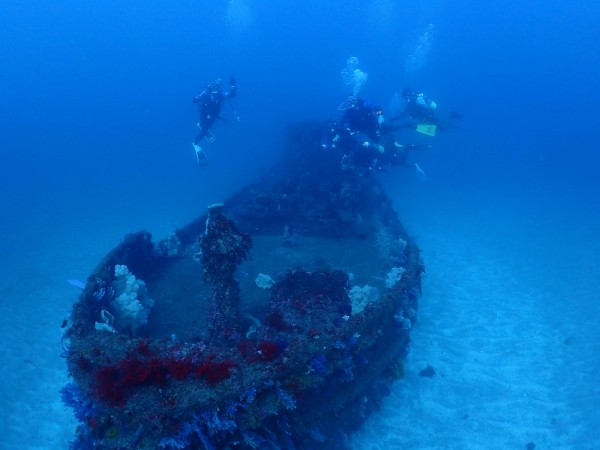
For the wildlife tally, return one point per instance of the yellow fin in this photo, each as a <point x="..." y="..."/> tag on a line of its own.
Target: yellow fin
<point x="426" y="128"/>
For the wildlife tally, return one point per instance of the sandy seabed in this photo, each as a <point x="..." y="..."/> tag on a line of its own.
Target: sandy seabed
<point x="507" y="320"/>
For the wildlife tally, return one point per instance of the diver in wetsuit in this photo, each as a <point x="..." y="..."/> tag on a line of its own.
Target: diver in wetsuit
<point x="364" y="117"/>
<point x="364" y="156"/>
<point x="357" y="151"/>
<point x="209" y="103"/>
<point x="422" y="110"/>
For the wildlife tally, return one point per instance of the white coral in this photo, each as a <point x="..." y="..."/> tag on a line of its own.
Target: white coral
<point x="394" y="276"/>
<point x="360" y="297"/>
<point x="132" y="304"/>
<point x="264" y="281"/>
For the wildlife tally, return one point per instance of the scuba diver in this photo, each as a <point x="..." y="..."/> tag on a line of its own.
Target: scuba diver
<point x="422" y="109"/>
<point x="364" y="156"/>
<point x="356" y="152"/>
<point x="419" y="106"/>
<point x="363" y="117"/>
<point x="399" y="155"/>
<point x="209" y="103"/>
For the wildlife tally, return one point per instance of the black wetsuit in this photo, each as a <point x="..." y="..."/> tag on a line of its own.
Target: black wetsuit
<point x="363" y="117"/>
<point x="209" y="107"/>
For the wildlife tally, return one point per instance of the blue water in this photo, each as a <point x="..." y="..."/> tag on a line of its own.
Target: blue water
<point x="96" y="126"/>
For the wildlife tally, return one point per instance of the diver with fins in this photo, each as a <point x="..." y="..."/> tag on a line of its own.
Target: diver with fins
<point x="363" y="155"/>
<point x="209" y="103"/>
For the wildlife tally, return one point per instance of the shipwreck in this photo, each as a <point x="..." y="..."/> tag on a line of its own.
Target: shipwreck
<point x="277" y="320"/>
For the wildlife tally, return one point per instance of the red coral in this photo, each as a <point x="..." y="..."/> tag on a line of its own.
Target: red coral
<point x="157" y="372"/>
<point x="109" y="385"/>
<point x="179" y="369"/>
<point x="134" y="372"/>
<point x="214" y="372"/>
<point x="270" y="350"/>
<point x="113" y="382"/>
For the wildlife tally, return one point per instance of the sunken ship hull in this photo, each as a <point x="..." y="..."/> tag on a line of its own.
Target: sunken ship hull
<point x="277" y="320"/>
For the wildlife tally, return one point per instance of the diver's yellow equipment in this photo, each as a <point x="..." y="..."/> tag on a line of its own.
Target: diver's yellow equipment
<point x="426" y="128"/>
